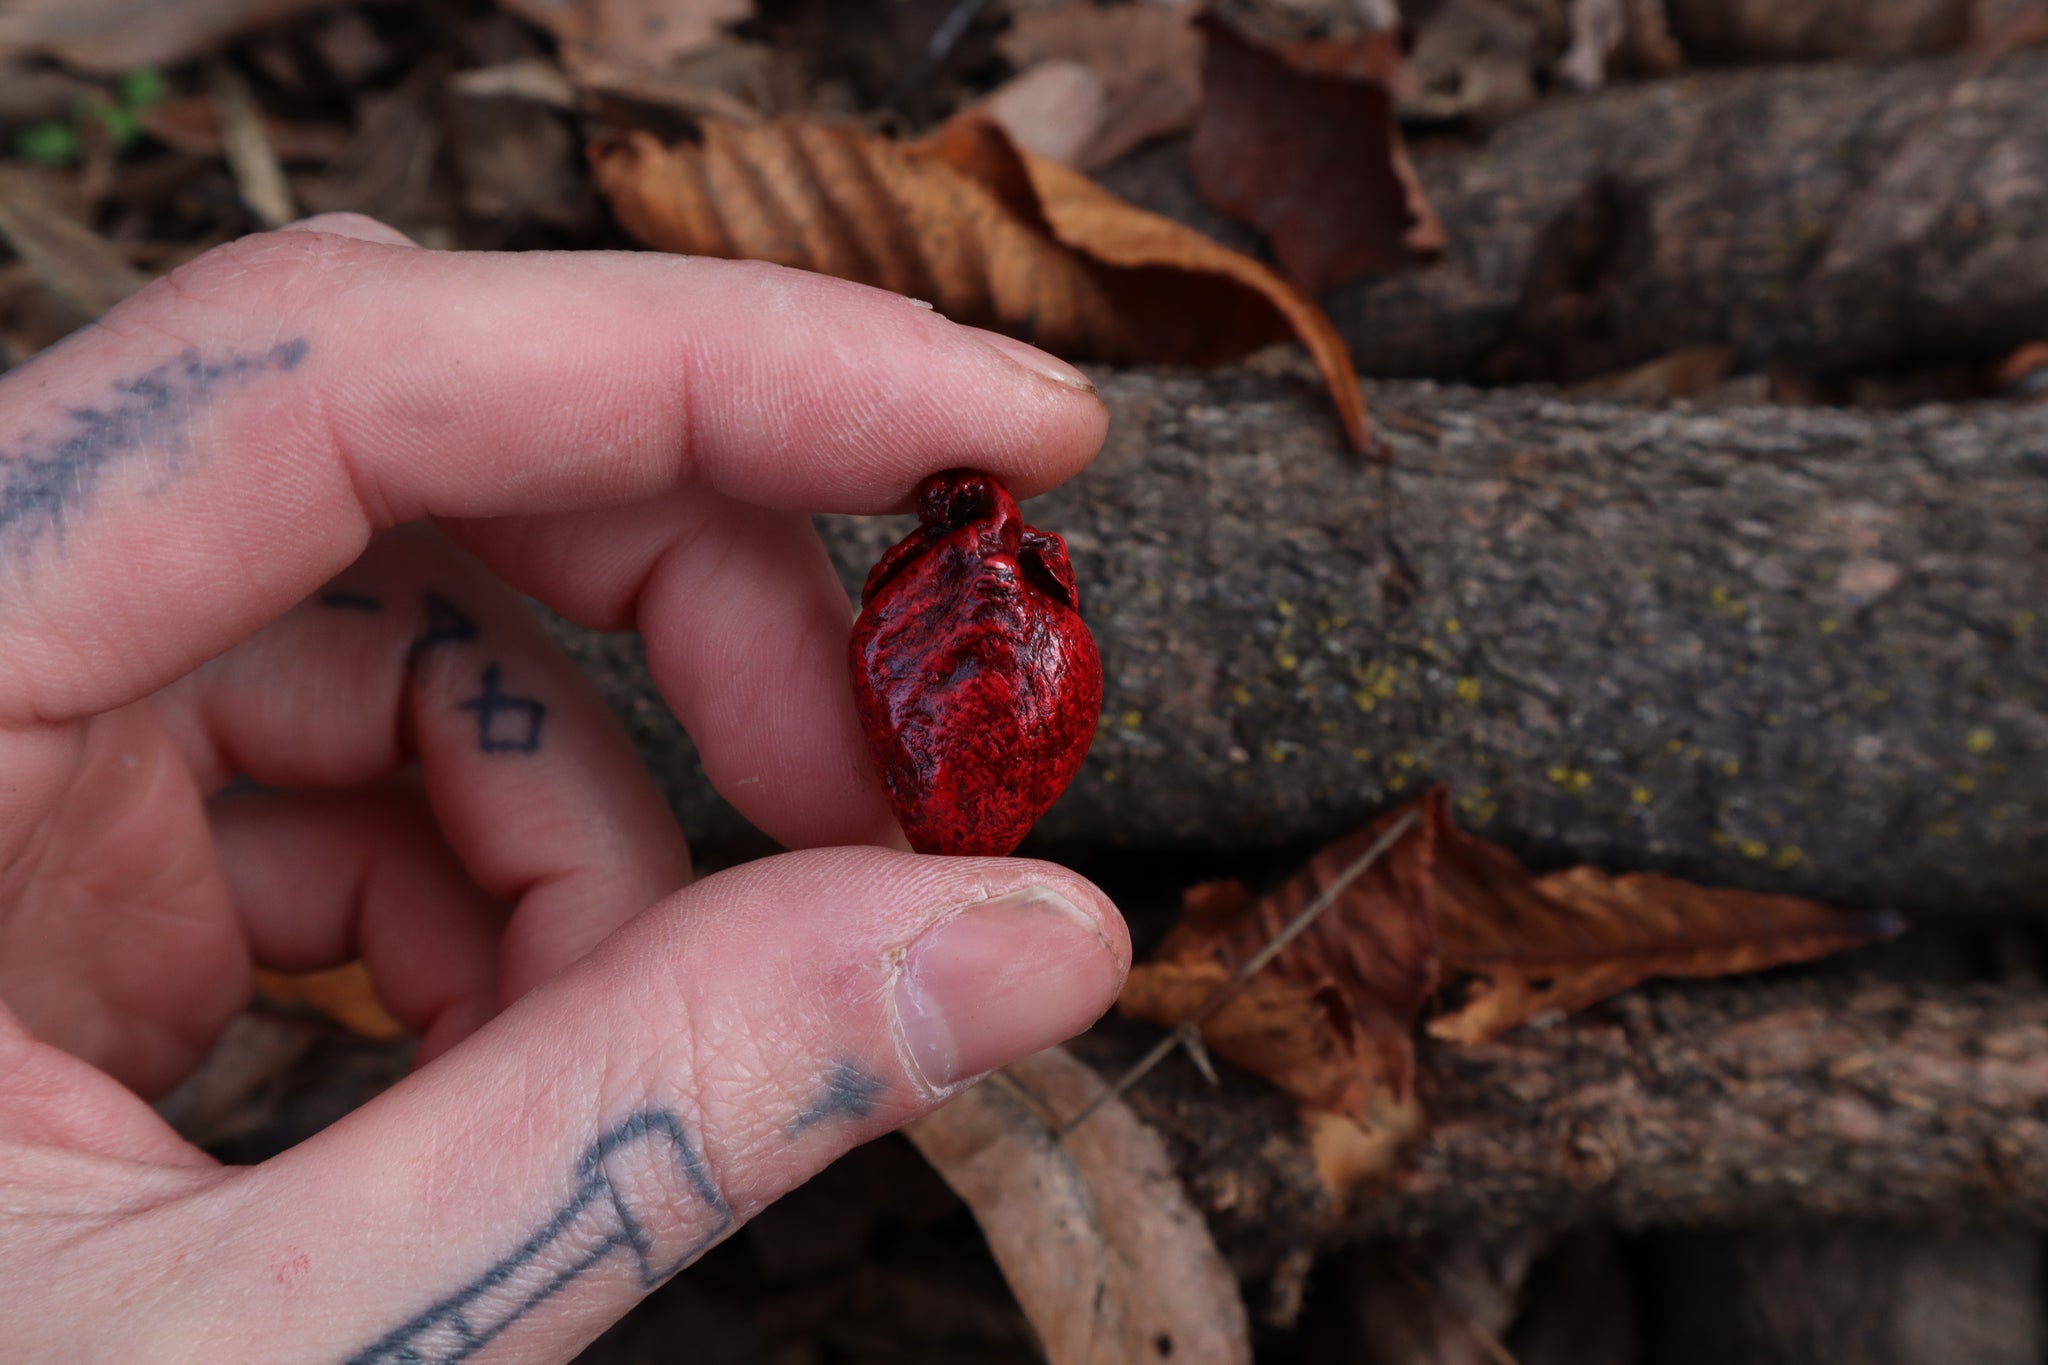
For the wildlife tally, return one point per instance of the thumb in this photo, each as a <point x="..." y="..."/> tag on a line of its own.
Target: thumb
<point x="520" y="1193"/>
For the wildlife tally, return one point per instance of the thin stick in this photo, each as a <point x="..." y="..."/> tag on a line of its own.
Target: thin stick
<point x="1191" y="1027"/>
<point x="944" y="39"/>
<point x="247" y="147"/>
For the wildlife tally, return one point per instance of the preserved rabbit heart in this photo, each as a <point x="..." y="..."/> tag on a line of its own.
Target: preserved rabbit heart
<point x="976" y="681"/>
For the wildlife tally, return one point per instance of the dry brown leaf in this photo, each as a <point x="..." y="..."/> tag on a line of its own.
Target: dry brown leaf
<point x="1148" y="58"/>
<point x="1536" y="945"/>
<point x="1099" y="1242"/>
<point x="72" y="261"/>
<point x="644" y="33"/>
<point x="527" y="78"/>
<point x="114" y="36"/>
<point x="191" y="123"/>
<point x="1332" y="1021"/>
<point x="1348" y="1154"/>
<point x="991" y="235"/>
<point x="1475" y="59"/>
<point x="1053" y="109"/>
<point x="2026" y="369"/>
<point x="245" y="142"/>
<point x="343" y="994"/>
<point x="1689" y="373"/>
<point x="1304" y="144"/>
<point x="31" y="92"/>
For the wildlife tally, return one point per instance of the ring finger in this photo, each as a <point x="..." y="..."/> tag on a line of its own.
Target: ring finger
<point x="416" y="652"/>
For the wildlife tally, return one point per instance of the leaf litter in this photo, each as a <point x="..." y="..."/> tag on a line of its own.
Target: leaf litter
<point x="1104" y="1250"/>
<point x="1302" y="141"/>
<point x="990" y="234"/>
<point x="1333" y="1021"/>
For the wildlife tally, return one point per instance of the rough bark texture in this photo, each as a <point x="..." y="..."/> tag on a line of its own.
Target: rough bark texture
<point x="1821" y="218"/>
<point x="1732" y="1102"/>
<point x="1794" y="649"/>
<point x="1815" y="30"/>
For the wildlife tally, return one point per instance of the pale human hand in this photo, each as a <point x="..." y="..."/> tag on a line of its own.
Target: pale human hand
<point x="200" y="580"/>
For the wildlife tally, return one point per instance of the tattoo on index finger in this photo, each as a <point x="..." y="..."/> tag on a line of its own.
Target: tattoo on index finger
<point x="48" y="481"/>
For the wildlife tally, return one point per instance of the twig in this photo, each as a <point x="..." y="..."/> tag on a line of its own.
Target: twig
<point x="940" y="46"/>
<point x="247" y="147"/>
<point x="1190" y="1028"/>
<point x="69" y="258"/>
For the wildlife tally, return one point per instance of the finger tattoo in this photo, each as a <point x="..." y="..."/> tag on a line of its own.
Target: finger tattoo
<point x="505" y="724"/>
<point x="630" y="1185"/>
<point x="47" y="482"/>
<point x="849" y="1090"/>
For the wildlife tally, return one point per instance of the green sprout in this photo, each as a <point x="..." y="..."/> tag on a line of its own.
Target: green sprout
<point x="61" y="142"/>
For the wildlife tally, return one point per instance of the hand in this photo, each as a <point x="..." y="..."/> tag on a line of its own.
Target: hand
<point x="268" y="519"/>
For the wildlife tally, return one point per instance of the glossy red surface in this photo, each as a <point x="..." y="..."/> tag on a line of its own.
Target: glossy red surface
<point x="976" y="681"/>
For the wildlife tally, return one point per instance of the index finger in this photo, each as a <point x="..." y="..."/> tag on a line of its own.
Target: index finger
<point x="225" y="441"/>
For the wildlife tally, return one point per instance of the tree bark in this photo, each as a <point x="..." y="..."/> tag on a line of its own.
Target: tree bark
<point x="1823" y="218"/>
<point x="1730" y="1102"/>
<point x="1791" y="649"/>
<point x="1818" y="219"/>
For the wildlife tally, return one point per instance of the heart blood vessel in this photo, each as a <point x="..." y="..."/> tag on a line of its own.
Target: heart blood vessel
<point x="977" y="684"/>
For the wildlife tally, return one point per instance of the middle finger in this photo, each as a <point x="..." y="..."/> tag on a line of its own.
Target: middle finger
<point x="417" y="652"/>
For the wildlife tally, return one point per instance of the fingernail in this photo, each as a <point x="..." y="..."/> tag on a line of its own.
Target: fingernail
<point x="1033" y="359"/>
<point x="1001" y="980"/>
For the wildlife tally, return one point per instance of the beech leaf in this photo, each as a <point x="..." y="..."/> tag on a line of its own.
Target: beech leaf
<point x="1560" y="943"/>
<point x="645" y="33"/>
<point x="1332" y="1020"/>
<point x="1148" y="58"/>
<point x="344" y="994"/>
<point x="1106" y="1254"/>
<point x="1304" y="143"/>
<point x="990" y="234"/>
<point x="115" y="36"/>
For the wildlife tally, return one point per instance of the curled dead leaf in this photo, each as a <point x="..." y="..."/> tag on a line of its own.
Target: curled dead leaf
<point x="1106" y="1254"/>
<point x="1148" y="59"/>
<point x="113" y="36"/>
<point x="344" y="994"/>
<point x="1332" y="1020"/>
<point x="1303" y="142"/>
<point x="1053" y="109"/>
<point x="1689" y="373"/>
<point x="1538" y="945"/>
<point x="644" y="33"/>
<point x="72" y="261"/>
<point x="990" y="234"/>
<point x="2026" y="369"/>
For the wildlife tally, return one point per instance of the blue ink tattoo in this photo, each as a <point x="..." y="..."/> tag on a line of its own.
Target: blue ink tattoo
<point x="46" y="483"/>
<point x="447" y="624"/>
<point x="505" y="724"/>
<point x="649" y="1152"/>
<point x="848" y="1090"/>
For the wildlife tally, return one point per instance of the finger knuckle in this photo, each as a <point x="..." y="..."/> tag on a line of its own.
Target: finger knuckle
<point x="272" y="275"/>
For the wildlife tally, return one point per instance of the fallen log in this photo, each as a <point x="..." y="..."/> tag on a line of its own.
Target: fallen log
<point x="1822" y="218"/>
<point x="1826" y="1094"/>
<point x="1818" y="219"/>
<point x="1792" y="649"/>
<point x="1721" y="1103"/>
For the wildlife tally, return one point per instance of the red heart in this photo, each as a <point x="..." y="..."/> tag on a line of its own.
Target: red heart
<point x="977" y="683"/>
